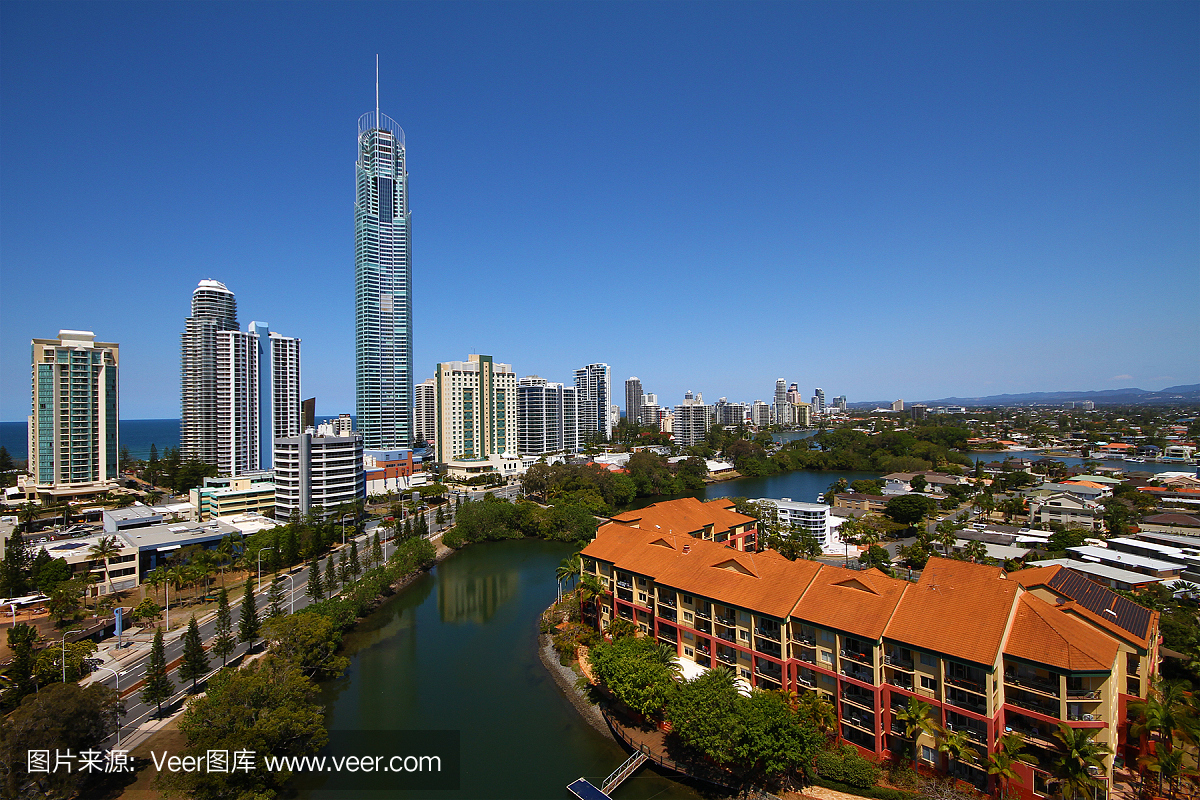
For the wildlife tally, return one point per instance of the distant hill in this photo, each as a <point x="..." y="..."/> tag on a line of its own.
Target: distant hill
<point x="1172" y="395"/>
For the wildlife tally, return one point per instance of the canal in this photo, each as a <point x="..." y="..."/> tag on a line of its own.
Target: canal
<point x="457" y="650"/>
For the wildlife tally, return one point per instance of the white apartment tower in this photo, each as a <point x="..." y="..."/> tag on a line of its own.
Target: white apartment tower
<point x="547" y="417"/>
<point x="692" y="420"/>
<point x="476" y="409"/>
<point x="425" y="411"/>
<point x="595" y="394"/>
<point x="214" y="310"/>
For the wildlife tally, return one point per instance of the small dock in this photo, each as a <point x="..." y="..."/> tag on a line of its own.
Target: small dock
<point x="583" y="789"/>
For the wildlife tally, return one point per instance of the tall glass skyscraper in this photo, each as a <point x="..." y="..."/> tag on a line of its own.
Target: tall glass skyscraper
<point x="382" y="286"/>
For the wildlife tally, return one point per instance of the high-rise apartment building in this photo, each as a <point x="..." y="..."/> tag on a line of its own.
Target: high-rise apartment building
<point x="425" y="411"/>
<point x="692" y="420"/>
<point x="633" y="401"/>
<point x="839" y="402"/>
<point x="258" y="396"/>
<point x="476" y="409"/>
<point x="818" y="401"/>
<point x="383" y="376"/>
<point x="547" y="417"/>
<point x="214" y="310"/>
<point x="782" y="407"/>
<point x="318" y="474"/>
<point x="595" y="393"/>
<point x="240" y="389"/>
<point x="730" y="414"/>
<point x="73" y="427"/>
<point x="760" y="414"/>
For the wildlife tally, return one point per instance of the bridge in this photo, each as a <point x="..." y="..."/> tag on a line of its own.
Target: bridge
<point x="585" y="790"/>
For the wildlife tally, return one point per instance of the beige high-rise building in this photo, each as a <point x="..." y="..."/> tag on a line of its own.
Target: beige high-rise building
<point x="73" y="428"/>
<point x="476" y="409"/>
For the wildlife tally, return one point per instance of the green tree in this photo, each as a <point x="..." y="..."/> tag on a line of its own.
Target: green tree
<point x="14" y="568"/>
<point x="195" y="660"/>
<point x="909" y="509"/>
<point x="775" y="741"/>
<point x="275" y="598"/>
<point x="1076" y="753"/>
<point x="704" y="715"/>
<point x="316" y="589"/>
<point x="633" y="670"/>
<point x="353" y="563"/>
<point x="917" y="717"/>
<point x="310" y="641"/>
<point x="1002" y="763"/>
<point x="21" y="639"/>
<point x="157" y="687"/>
<point x="330" y="577"/>
<point x="60" y="718"/>
<point x="248" y="623"/>
<point x="376" y="549"/>
<point x="223" y="641"/>
<point x="105" y="548"/>
<point x="267" y="707"/>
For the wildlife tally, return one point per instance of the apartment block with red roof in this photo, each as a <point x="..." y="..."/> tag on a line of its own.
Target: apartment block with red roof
<point x="989" y="651"/>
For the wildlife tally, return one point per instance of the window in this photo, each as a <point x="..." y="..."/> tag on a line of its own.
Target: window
<point x="928" y="660"/>
<point x="687" y="616"/>
<point x="827" y="636"/>
<point x="827" y="656"/>
<point x="928" y="754"/>
<point x="745" y="673"/>
<point x="929" y="683"/>
<point x="687" y="651"/>
<point x="745" y="636"/>
<point x="642" y="596"/>
<point x="687" y="599"/>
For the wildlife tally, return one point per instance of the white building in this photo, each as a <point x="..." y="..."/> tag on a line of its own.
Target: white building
<point x="692" y="420"/>
<point x="476" y="409"/>
<point x="760" y="414"/>
<point x="814" y="518"/>
<point x="425" y="411"/>
<point x="595" y="395"/>
<point x="318" y="473"/>
<point x="257" y="395"/>
<point x="73" y="428"/>
<point x="547" y="417"/>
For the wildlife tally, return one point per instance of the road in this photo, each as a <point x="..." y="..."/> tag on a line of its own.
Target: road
<point x="295" y="598"/>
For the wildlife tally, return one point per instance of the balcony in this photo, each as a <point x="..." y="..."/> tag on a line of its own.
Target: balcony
<point x="703" y="626"/>
<point x="975" y="686"/>
<point x="1033" y="704"/>
<point x="805" y="638"/>
<point x="625" y="594"/>
<point x="857" y="673"/>
<point x="862" y="658"/>
<point x="1083" y="694"/>
<point x="903" y="681"/>
<point x="624" y="584"/>
<point x="769" y="633"/>
<point x="767" y="647"/>
<point x="969" y="703"/>
<point x="766" y="672"/>
<point x="667" y="614"/>
<point x="808" y="655"/>
<point x="726" y="635"/>
<point x="1088" y="717"/>
<point x="666" y="601"/>
<point x="728" y="622"/>
<point x="898" y="662"/>
<point x="1031" y="682"/>
<point x="703" y="650"/>
<point x="726" y="658"/>
<point x="863" y="699"/>
<point x="703" y="660"/>
<point x="859" y="719"/>
<point x="703" y="614"/>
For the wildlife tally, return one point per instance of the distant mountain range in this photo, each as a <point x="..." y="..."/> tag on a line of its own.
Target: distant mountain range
<point x="1172" y="395"/>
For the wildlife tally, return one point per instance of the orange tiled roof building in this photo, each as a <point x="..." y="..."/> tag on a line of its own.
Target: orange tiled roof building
<point x="990" y="651"/>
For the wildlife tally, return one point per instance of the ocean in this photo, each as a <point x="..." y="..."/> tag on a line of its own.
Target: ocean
<point x="136" y="434"/>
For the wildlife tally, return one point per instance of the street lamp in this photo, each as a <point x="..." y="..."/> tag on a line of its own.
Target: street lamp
<point x="117" y="680"/>
<point x="342" y="519"/>
<point x="291" y="593"/>
<point x="260" y="552"/>
<point x="64" y="648"/>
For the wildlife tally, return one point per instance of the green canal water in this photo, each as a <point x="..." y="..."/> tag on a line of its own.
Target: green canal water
<point x="457" y="650"/>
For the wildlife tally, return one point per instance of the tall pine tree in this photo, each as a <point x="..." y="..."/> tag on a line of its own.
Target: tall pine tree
<point x="223" y="643"/>
<point x="275" y="598"/>
<point x="157" y="687"/>
<point x="355" y="565"/>
<point x="316" y="591"/>
<point x="248" y="623"/>
<point x="376" y="550"/>
<point x="195" y="660"/>
<point x="330" y="577"/>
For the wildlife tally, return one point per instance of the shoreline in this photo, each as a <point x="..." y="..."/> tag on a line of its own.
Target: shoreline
<point x="565" y="677"/>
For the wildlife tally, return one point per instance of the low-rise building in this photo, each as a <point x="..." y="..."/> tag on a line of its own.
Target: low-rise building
<point x="860" y="502"/>
<point x="248" y="493"/>
<point x="812" y="518"/>
<point x="1065" y="508"/>
<point x="990" y="652"/>
<point x="716" y="521"/>
<point x="157" y="543"/>
<point x="120" y="573"/>
<point x="935" y="482"/>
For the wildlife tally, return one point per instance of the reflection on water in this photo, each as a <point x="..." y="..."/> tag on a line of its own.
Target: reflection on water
<point x="469" y="596"/>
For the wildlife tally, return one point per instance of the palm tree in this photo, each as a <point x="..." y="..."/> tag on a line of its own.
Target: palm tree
<point x="177" y="576"/>
<point x="975" y="550"/>
<point x="1186" y="587"/>
<point x="1077" y="753"/>
<point x="1160" y="714"/>
<point x="225" y="552"/>
<point x="1167" y="766"/>
<point x="105" y="548"/>
<point x="589" y="590"/>
<point x="568" y="568"/>
<point x="666" y="655"/>
<point x="1002" y="762"/>
<point x="917" y="718"/>
<point x="957" y="747"/>
<point x="27" y="513"/>
<point x="816" y="707"/>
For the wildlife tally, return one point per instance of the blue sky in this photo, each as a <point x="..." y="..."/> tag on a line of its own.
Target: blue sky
<point x="885" y="200"/>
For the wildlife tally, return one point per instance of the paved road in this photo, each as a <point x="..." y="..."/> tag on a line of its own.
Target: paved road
<point x="134" y="670"/>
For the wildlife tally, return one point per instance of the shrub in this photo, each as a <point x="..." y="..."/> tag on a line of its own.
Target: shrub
<point x="845" y="765"/>
<point x="877" y="792"/>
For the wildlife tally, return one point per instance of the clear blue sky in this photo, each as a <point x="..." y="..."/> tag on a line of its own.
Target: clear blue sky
<point x="885" y="200"/>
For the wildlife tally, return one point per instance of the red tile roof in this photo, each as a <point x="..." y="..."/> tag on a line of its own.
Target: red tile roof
<point x="1044" y="636"/>
<point x="686" y="515"/>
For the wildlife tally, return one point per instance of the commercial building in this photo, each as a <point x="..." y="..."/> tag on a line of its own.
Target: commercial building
<point x="214" y="310"/>
<point x="898" y="405"/>
<point x="391" y="471"/>
<point x="251" y="493"/>
<point x="157" y="543"/>
<point x="476" y="408"/>
<point x="989" y="651"/>
<point x="425" y="411"/>
<point x="120" y="573"/>
<point x="594" y="396"/>
<point x="633" y="400"/>
<point x="547" y="417"/>
<point x="383" y="364"/>
<point x="760" y="414"/>
<point x="318" y="474"/>
<point x="73" y="442"/>
<point x="341" y="425"/>
<point x="692" y="420"/>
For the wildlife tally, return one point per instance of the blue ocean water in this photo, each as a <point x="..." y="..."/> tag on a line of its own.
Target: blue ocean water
<point x="136" y="434"/>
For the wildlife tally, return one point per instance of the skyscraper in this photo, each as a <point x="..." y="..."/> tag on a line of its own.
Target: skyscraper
<point x="692" y="420"/>
<point x="383" y="370"/>
<point x="425" y="412"/>
<point x="633" y="401"/>
<point x="240" y="390"/>
<point x="213" y="310"/>
<point x="595" y="392"/>
<point x="476" y="409"/>
<point x="73" y="427"/>
<point x="547" y="418"/>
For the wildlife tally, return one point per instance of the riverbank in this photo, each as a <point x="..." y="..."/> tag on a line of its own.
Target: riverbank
<point x="566" y="678"/>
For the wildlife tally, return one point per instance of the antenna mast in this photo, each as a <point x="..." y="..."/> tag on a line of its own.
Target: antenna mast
<point x="377" y="90"/>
